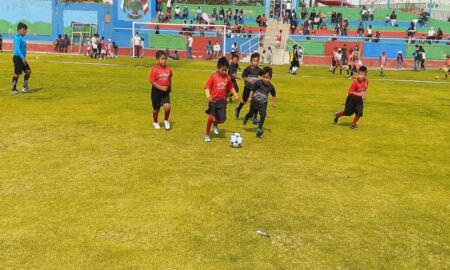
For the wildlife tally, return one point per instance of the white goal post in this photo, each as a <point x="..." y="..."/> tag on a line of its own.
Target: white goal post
<point x="207" y="30"/>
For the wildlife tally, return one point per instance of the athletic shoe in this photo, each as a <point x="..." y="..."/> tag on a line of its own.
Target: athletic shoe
<point x="236" y="113"/>
<point x="259" y="132"/>
<point x="353" y="127"/>
<point x="244" y="121"/>
<point x="255" y="121"/>
<point x="156" y="125"/>
<point x="26" y="90"/>
<point x="14" y="92"/>
<point x="166" y="124"/>
<point x="207" y="138"/>
<point x="215" y="129"/>
<point x="336" y="118"/>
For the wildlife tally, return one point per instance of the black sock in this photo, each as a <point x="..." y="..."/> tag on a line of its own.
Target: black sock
<point x="240" y="106"/>
<point x="25" y="81"/>
<point x="14" y="83"/>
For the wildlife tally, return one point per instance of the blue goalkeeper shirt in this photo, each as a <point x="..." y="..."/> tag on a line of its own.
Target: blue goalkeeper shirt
<point x="20" y="46"/>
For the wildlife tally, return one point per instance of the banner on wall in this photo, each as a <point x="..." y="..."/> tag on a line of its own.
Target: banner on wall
<point x="134" y="9"/>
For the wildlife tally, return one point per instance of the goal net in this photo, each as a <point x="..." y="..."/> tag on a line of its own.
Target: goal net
<point x="163" y="36"/>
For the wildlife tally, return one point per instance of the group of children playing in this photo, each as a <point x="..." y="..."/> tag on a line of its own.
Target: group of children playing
<point x="222" y="85"/>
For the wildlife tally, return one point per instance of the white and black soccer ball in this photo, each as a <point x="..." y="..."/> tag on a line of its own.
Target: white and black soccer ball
<point x="236" y="140"/>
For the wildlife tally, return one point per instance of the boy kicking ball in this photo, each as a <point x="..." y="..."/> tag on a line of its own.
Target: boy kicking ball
<point x="161" y="80"/>
<point x="356" y="94"/>
<point x="217" y="89"/>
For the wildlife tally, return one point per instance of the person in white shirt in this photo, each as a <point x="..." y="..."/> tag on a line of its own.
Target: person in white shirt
<point x="137" y="45"/>
<point x="289" y="8"/>
<point x="190" y="42"/>
<point x="430" y="35"/>
<point x="177" y="13"/>
<point x="216" y="50"/>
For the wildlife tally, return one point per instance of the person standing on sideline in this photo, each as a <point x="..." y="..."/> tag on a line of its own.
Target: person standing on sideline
<point x="20" y="61"/>
<point x="190" y="42"/>
<point x="137" y="45"/>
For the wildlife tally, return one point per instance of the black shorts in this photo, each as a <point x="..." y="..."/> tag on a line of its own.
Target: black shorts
<point x="19" y="66"/>
<point x="218" y="109"/>
<point x="354" y="106"/>
<point x="235" y="85"/>
<point x="246" y="93"/>
<point x="159" y="98"/>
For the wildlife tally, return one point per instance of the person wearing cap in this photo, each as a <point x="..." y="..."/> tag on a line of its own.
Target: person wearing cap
<point x="399" y="60"/>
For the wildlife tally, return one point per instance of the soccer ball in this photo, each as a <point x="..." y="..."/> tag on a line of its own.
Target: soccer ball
<point x="236" y="140"/>
<point x="437" y="77"/>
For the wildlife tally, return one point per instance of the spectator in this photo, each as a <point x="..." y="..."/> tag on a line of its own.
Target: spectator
<point x="136" y="44"/>
<point x="370" y="12"/>
<point x="289" y="8"/>
<point x="430" y="35"/>
<point x="175" y="55"/>
<point x="417" y="59"/>
<point x="189" y="44"/>
<point x="216" y="50"/>
<point x="209" y="50"/>
<point x="333" y="17"/>
<point x="185" y="13"/>
<point x="364" y="14"/>
<point x="169" y="5"/>
<point x="293" y="26"/>
<point x="439" y="34"/>
<point x="369" y="33"/>
<point x="312" y="15"/>
<point x="303" y="12"/>
<point x="377" y="36"/>
<point x="229" y="13"/>
<point x="393" y="19"/>
<point x="345" y="27"/>
<point x="58" y="44"/>
<point x="422" y="57"/>
<point x="264" y="20"/>
<point x="399" y="60"/>
<point x="1" y="43"/>
<point x="177" y="14"/>
<point x="387" y="20"/>
<point x="360" y="29"/>
<point x="156" y="28"/>
<point x="221" y="14"/>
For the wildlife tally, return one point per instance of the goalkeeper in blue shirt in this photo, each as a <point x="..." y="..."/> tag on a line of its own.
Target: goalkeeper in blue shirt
<point x="20" y="62"/>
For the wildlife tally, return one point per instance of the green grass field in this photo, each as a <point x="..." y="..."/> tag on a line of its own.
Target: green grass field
<point x="87" y="183"/>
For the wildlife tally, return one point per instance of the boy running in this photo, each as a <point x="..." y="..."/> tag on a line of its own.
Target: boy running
<point x="20" y="62"/>
<point x="356" y="94"/>
<point x="217" y="88"/>
<point x="250" y="75"/>
<point x="258" y="98"/>
<point x="232" y="72"/>
<point x="161" y="80"/>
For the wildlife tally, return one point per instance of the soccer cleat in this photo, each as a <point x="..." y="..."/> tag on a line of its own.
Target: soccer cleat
<point x="166" y="124"/>
<point x="215" y="129"/>
<point x="207" y="138"/>
<point x="255" y="121"/>
<point x="236" y="113"/>
<point x="156" y="125"/>
<point x="244" y="121"/>
<point x="26" y="90"/>
<point x="14" y="92"/>
<point x="353" y="126"/>
<point x="259" y="132"/>
<point x="336" y="118"/>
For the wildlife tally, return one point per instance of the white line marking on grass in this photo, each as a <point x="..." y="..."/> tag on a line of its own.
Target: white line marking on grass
<point x="410" y="81"/>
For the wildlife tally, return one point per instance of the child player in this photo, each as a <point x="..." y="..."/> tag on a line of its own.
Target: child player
<point x="250" y="75"/>
<point x="383" y="62"/>
<point x="217" y="88"/>
<point x="232" y="72"/>
<point x="258" y="98"/>
<point x="447" y="67"/>
<point x="20" y="62"/>
<point x="356" y="93"/>
<point x="161" y="80"/>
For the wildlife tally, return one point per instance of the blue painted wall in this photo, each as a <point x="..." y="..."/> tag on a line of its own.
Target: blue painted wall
<point x="374" y="50"/>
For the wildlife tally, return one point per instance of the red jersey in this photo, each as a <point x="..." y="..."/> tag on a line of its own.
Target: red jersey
<point x="219" y="86"/>
<point x="161" y="75"/>
<point x="357" y="87"/>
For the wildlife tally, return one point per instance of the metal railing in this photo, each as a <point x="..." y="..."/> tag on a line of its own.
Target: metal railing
<point x="250" y="45"/>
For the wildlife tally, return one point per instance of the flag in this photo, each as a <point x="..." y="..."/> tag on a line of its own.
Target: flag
<point x="144" y="6"/>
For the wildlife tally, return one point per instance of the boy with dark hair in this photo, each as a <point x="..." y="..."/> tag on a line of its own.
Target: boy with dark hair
<point x="258" y="98"/>
<point x="356" y="94"/>
<point x="217" y="88"/>
<point x="161" y="80"/>
<point x="20" y="62"/>
<point x="250" y="75"/>
<point x="232" y="72"/>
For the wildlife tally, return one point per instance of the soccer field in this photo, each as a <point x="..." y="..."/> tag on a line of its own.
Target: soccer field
<point x="86" y="182"/>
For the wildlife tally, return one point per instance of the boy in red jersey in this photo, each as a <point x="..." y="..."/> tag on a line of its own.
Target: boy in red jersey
<point x="161" y="80"/>
<point x="217" y="89"/>
<point x="356" y="93"/>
